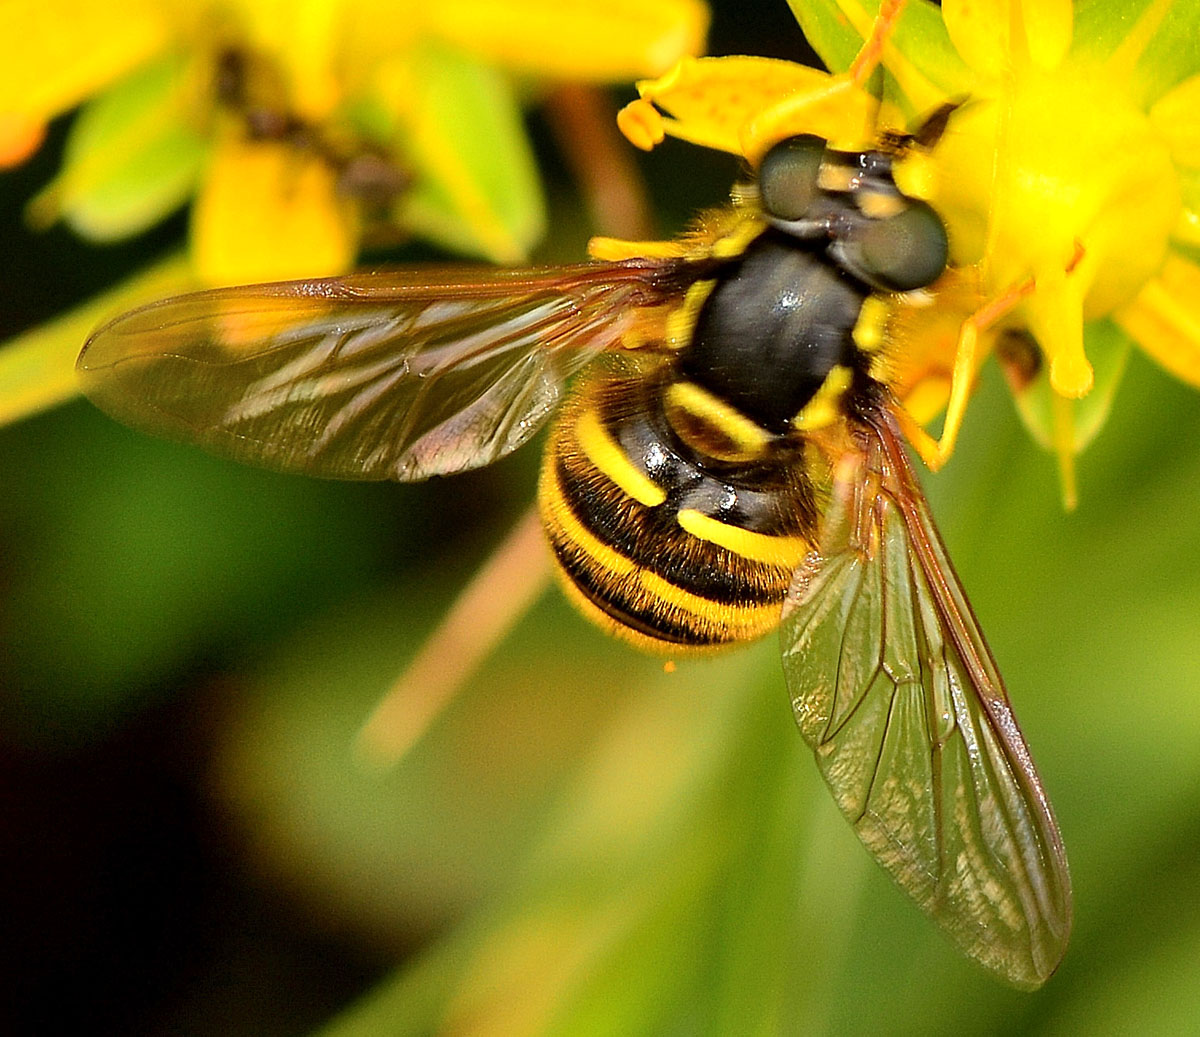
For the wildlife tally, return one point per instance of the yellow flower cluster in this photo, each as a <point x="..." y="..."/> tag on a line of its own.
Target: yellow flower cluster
<point x="290" y="124"/>
<point x="1069" y="180"/>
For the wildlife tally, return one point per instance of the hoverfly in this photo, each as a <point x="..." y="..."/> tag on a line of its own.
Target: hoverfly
<point x="729" y="460"/>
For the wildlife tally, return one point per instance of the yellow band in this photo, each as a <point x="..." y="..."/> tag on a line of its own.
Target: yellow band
<point x="609" y="458"/>
<point x="681" y="321"/>
<point x="749" y="438"/>
<point x="784" y="551"/>
<point x="823" y="409"/>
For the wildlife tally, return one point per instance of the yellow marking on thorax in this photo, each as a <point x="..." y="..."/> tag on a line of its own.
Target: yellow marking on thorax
<point x="739" y="222"/>
<point x="870" y="329"/>
<point x="637" y="337"/>
<point x="747" y="439"/>
<point x="681" y="322"/>
<point x="723" y="238"/>
<point x="647" y="326"/>
<point x="823" y="408"/>
<point x="610" y="459"/>
<point x="733" y="243"/>
<point x="785" y="551"/>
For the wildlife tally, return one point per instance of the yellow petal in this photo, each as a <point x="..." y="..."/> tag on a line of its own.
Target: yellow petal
<point x="980" y="32"/>
<point x="994" y="35"/>
<point x="269" y="212"/>
<point x="1165" y="318"/>
<point x="303" y="38"/>
<point x="1055" y="316"/>
<point x="1048" y="25"/>
<point x="1011" y="182"/>
<point x="1187" y="228"/>
<point x="713" y="101"/>
<point x="642" y="124"/>
<point x="1176" y="116"/>
<point x="61" y="51"/>
<point x="836" y="109"/>
<point x="1064" y="447"/>
<point x="574" y="39"/>
<point x="20" y="137"/>
<point x="372" y="31"/>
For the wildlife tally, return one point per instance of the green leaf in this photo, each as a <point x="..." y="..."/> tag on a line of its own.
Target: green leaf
<point x="1173" y="52"/>
<point x="1169" y="53"/>
<point x="1107" y="347"/>
<point x="1102" y="25"/>
<point x="1187" y="232"/>
<point x="617" y="914"/>
<point x="1189" y="188"/>
<point x="139" y="558"/>
<point x="37" y="368"/>
<point x="919" y="37"/>
<point x="133" y="156"/>
<point x="828" y="31"/>
<point x="477" y="188"/>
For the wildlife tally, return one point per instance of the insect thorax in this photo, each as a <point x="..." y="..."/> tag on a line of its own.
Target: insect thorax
<point x="773" y="328"/>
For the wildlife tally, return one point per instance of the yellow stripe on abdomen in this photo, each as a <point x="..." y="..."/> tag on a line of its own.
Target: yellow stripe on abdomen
<point x="633" y="601"/>
<point x="639" y="560"/>
<point x="610" y="459"/>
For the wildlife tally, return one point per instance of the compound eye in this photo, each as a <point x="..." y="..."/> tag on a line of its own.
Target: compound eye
<point x="787" y="177"/>
<point x="901" y="252"/>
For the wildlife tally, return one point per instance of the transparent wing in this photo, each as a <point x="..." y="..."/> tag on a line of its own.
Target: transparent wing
<point x="385" y="376"/>
<point x="894" y="688"/>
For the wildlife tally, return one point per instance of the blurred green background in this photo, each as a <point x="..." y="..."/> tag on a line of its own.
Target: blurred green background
<point x="584" y="843"/>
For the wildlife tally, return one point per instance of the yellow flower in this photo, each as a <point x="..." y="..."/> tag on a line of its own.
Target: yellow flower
<point x="293" y="124"/>
<point x="1068" y="180"/>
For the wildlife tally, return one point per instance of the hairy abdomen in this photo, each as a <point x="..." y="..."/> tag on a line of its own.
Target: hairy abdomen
<point x="663" y="546"/>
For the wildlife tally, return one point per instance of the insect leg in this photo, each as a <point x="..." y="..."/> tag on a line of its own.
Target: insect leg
<point x="933" y="452"/>
<point x="965" y="361"/>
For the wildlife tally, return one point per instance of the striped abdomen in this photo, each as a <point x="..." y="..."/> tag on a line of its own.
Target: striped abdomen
<point x="663" y="543"/>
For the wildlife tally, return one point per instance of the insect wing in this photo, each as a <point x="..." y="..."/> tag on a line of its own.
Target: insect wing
<point x="896" y="691"/>
<point x="369" y="377"/>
